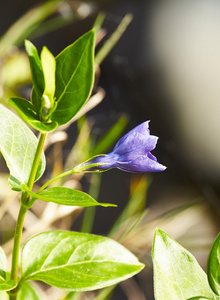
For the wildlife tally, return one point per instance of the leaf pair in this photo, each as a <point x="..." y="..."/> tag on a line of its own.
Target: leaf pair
<point x="61" y="86"/>
<point x="177" y="275"/>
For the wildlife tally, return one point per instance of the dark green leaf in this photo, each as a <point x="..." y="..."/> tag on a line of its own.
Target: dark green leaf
<point x="36" y="100"/>
<point x="213" y="266"/>
<point x="76" y="261"/>
<point x="27" y="112"/>
<point x="36" y="68"/>
<point x="177" y="275"/>
<point x="74" y="78"/>
<point x="29" y="292"/>
<point x="18" y="146"/>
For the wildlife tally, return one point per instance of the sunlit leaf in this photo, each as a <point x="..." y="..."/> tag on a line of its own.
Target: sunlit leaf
<point x="26" y="111"/>
<point x="76" y="261"/>
<point x="67" y="196"/>
<point x="49" y="67"/>
<point x="200" y="298"/>
<point x="7" y="285"/>
<point x="177" y="275"/>
<point x="74" y="77"/>
<point x="29" y="292"/>
<point x="18" y="146"/>
<point x="4" y="296"/>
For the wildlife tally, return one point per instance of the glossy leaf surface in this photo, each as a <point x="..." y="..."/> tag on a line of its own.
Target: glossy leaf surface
<point x="29" y="292"/>
<point x="74" y="77"/>
<point x="26" y="111"/>
<point x="36" y="70"/>
<point x="67" y="196"/>
<point x="18" y="145"/>
<point x="177" y="275"/>
<point x="83" y="261"/>
<point x="213" y="266"/>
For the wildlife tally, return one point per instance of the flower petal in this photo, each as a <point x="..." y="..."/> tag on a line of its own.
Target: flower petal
<point x="139" y="130"/>
<point x="136" y="142"/>
<point x="144" y="163"/>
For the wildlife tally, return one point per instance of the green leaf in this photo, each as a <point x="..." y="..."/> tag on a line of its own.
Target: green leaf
<point x="177" y="275"/>
<point x="76" y="261"/>
<point x="74" y="78"/>
<point x="29" y="292"/>
<point x="18" y="145"/>
<point x="36" y="100"/>
<point x="7" y="285"/>
<point x="27" y="112"/>
<point x="67" y="196"/>
<point x="199" y="298"/>
<point x="213" y="266"/>
<point x="49" y="67"/>
<point x="36" y="69"/>
<point x="4" y="296"/>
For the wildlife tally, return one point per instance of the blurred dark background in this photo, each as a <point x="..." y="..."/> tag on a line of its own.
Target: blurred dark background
<point x="165" y="68"/>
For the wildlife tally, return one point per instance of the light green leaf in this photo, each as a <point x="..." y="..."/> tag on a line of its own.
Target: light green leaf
<point x="27" y="112"/>
<point x="199" y="298"/>
<point x="213" y="266"/>
<point x="77" y="261"/>
<point x="67" y="196"/>
<point x="74" y="77"/>
<point x="49" y="67"/>
<point x="18" y="145"/>
<point x="4" y="296"/>
<point x="29" y="292"/>
<point x="7" y="285"/>
<point x="177" y="275"/>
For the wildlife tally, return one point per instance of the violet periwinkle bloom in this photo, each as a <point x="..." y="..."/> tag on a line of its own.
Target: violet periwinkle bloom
<point x="132" y="153"/>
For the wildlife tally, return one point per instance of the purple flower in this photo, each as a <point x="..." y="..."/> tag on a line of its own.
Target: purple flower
<point x="131" y="153"/>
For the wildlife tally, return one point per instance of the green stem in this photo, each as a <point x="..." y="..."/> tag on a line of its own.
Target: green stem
<point x="78" y="169"/>
<point x="36" y="160"/>
<point x="22" y="213"/>
<point x="56" y="178"/>
<point x="16" y="249"/>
